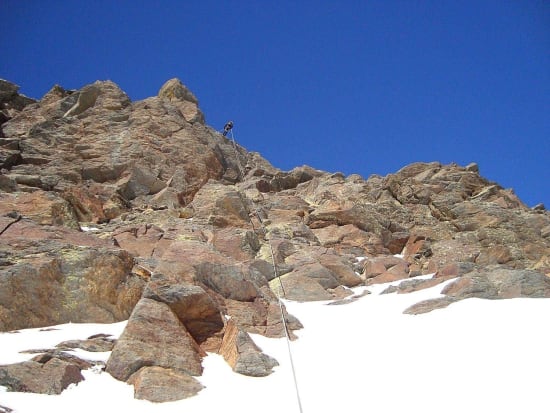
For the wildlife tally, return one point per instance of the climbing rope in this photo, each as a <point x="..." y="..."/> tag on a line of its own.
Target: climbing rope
<point x="277" y="276"/>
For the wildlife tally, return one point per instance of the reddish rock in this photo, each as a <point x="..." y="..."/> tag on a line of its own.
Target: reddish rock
<point x="221" y="206"/>
<point x="497" y="254"/>
<point x="237" y="243"/>
<point x="454" y="269"/>
<point x="229" y="281"/>
<point x="159" y="384"/>
<point x="350" y="239"/>
<point x="341" y="271"/>
<point x="261" y="317"/>
<point x="392" y="268"/>
<point x="417" y="247"/>
<point x="299" y="287"/>
<point x="243" y="355"/>
<point x="154" y="337"/>
<point x="141" y="241"/>
<point x="62" y="283"/>
<point x="192" y="305"/>
<point x="45" y="208"/>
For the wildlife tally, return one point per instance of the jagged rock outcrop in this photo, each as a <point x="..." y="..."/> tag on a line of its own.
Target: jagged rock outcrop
<point x="114" y="210"/>
<point x="11" y="102"/>
<point x="491" y="283"/>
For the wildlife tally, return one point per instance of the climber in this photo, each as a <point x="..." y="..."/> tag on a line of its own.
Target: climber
<point x="228" y="126"/>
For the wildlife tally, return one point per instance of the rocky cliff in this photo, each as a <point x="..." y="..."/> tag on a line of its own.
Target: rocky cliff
<point x="113" y="210"/>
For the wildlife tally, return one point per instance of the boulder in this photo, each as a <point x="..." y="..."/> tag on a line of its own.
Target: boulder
<point x="381" y="270"/>
<point x="228" y="281"/>
<point x="261" y="317"/>
<point x="154" y="336"/>
<point x="196" y="310"/>
<point x="51" y="377"/>
<point x="299" y="287"/>
<point x="342" y="271"/>
<point x="160" y="384"/>
<point x="243" y="355"/>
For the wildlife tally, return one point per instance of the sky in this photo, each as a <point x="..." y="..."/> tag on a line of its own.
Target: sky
<point x="348" y="86"/>
<point x="475" y="355"/>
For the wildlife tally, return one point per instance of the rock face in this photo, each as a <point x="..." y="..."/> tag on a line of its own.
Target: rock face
<point x="113" y="210"/>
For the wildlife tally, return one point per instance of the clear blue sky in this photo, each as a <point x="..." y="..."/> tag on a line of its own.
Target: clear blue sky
<point x="353" y="86"/>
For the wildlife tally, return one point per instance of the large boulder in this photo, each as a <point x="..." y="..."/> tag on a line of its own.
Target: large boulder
<point x="196" y="310"/>
<point x="154" y="336"/>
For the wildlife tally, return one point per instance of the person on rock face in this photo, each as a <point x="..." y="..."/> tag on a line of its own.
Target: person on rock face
<point x="228" y="126"/>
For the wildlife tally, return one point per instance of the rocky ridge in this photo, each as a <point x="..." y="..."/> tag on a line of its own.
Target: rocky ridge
<point x="113" y="210"/>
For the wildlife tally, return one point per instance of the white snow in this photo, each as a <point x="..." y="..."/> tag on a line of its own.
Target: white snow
<point x="365" y="356"/>
<point x="88" y="229"/>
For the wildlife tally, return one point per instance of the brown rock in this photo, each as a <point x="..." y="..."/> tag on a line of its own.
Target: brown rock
<point x="154" y="337"/>
<point x="86" y="99"/>
<point x="348" y="239"/>
<point x="44" y="208"/>
<point x="228" y="280"/>
<point x="429" y="305"/>
<point x="413" y="285"/>
<point x="192" y="305"/>
<point x="221" y="206"/>
<point x="300" y="287"/>
<point x="497" y="254"/>
<point x="239" y="244"/>
<point x="261" y="317"/>
<point x="385" y="269"/>
<point x="159" y="384"/>
<point x="387" y="277"/>
<point x="454" y="269"/>
<point x="141" y="241"/>
<point x="417" y="247"/>
<point x="340" y="270"/>
<point x="500" y="283"/>
<point x="95" y="344"/>
<point x="243" y="355"/>
<point x="493" y="283"/>
<point x="177" y="93"/>
<point x="51" y="377"/>
<point x="54" y="283"/>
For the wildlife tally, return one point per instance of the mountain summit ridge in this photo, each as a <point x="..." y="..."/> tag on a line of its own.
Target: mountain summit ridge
<point x="113" y="210"/>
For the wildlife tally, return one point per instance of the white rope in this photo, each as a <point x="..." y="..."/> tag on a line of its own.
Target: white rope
<point x="276" y="272"/>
